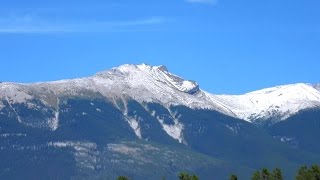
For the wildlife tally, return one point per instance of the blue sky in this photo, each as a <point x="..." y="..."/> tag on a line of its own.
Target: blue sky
<point x="227" y="46"/>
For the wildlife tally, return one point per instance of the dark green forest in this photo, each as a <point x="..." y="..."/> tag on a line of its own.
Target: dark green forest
<point x="303" y="173"/>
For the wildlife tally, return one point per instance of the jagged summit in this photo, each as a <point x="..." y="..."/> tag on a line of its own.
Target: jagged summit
<point x="163" y="68"/>
<point x="158" y="73"/>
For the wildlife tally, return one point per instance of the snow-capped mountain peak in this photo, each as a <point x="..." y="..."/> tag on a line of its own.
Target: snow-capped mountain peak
<point x="157" y="73"/>
<point x="145" y="83"/>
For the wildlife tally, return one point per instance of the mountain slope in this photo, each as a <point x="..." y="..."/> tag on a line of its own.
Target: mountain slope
<point x="300" y="131"/>
<point x="121" y="121"/>
<point x="89" y="143"/>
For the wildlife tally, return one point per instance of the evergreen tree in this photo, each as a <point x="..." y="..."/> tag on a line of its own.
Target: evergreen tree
<point x="122" y="178"/>
<point x="186" y="176"/>
<point x="265" y="174"/>
<point x="256" y="176"/>
<point x="304" y="174"/>
<point x="277" y="174"/>
<point x="233" y="177"/>
<point x="315" y="170"/>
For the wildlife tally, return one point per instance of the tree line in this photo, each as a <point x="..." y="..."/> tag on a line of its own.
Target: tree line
<point x="303" y="173"/>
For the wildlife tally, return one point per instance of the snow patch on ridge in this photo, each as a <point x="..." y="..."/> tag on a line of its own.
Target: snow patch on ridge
<point x="132" y="121"/>
<point x="235" y="128"/>
<point x="14" y="110"/>
<point x="54" y="122"/>
<point x="134" y="124"/>
<point x="77" y="145"/>
<point x="85" y="153"/>
<point x="123" y="149"/>
<point x="5" y="135"/>
<point x="176" y="130"/>
<point x="1" y="105"/>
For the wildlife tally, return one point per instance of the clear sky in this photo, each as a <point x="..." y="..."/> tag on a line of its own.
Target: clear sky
<point x="227" y="46"/>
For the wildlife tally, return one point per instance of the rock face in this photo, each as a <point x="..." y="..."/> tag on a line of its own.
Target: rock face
<point x="317" y="86"/>
<point x="145" y="122"/>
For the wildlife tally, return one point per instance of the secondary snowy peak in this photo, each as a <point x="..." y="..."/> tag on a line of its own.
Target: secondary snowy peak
<point x="278" y="102"/>
<point x="157" y="73"/>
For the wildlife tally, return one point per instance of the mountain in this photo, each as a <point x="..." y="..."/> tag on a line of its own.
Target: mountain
<point x="145" y="122"/>
<point x="145" y="83"/>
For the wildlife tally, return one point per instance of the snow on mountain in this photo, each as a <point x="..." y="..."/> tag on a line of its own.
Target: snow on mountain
<point x="14" y="93"/>
<point x="317" y="86"/>
<point x="280" y="102"/>
<point x="145" y="83"/>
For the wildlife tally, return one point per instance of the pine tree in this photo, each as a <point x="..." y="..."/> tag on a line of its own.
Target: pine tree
<point x="122" y="178"/>
<point x="315" y="172"/>
<point x="304" y="174"/>
<point x="233" y="177"/>
<point x="265" y="174"/>
<point x="277" y="174"/>
<point x="256" y="176"/>
<point x="186" y="176"/>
